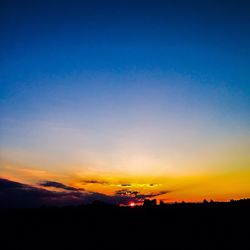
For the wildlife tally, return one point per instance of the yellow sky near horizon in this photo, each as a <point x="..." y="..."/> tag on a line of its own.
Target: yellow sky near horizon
<point x="220" y="185"/>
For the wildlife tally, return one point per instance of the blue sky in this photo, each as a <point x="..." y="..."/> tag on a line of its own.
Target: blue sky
<point x="130" y="86"/>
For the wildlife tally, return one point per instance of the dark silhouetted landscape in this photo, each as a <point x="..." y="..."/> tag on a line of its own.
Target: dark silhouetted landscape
<point x="207" y="225"/>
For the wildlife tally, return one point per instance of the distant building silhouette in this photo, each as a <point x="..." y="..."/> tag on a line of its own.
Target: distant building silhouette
<point x="149" y="203"/>
<point x="205" y="201"/>
<point x="162" y="203"/>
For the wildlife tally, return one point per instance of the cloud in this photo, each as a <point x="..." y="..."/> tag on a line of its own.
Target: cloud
<point x="150" y="185"/>
<point x="137" y="195"/>
<point x="127" y="192"/>
<point x="15" y="194"/>
<point x="95" y="182"/>
<point x="126" y="185"/>
<point x="122" y="184"/>
<point x="18" y="195"/>
<point x="153" y="184"/>
<point x="59" y="185"/>
<point x="8" y="185"/>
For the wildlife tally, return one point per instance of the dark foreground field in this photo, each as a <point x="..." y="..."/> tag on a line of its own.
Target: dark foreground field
<point x="178" y="226"/>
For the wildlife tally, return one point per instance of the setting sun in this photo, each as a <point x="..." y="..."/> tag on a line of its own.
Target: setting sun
<point x="131" y="204"/>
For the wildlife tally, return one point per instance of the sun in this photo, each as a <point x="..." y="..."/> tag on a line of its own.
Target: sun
<point x="131" y="204"/>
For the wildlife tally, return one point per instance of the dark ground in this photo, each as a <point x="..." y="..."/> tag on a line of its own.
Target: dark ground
<point x="177" y="226"/>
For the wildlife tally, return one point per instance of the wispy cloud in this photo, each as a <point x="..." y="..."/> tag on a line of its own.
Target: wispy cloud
<point x="119" y="184"/>
<point x="146" y="185"/>
<point x="93" y="181"/>
<point x="138" y="195"/>
<point x="59" y="185"/>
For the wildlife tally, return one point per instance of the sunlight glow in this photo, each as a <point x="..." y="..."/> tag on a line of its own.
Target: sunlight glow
<point x="131" y="204"/>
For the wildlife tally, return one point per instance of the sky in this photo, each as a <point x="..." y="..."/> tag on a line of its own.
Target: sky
<point x="125" y="100"/>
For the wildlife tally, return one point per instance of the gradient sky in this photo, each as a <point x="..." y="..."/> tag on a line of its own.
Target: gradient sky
<point x="153" y="94"/>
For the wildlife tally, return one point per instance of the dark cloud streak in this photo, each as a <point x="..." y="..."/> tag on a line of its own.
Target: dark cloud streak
<point x="95" y="182"/>
<point x="15" y="194"/>
<point x="59" y="185"/>
<point x="139" y="196"/>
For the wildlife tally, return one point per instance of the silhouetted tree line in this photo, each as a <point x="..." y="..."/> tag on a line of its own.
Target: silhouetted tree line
<point x="183" y="225"/>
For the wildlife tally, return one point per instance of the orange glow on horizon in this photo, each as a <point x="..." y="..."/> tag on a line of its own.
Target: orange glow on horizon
<point x="217" y="186"/>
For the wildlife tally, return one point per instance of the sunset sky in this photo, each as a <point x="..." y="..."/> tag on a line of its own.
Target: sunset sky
<point x="127" y="99"/>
